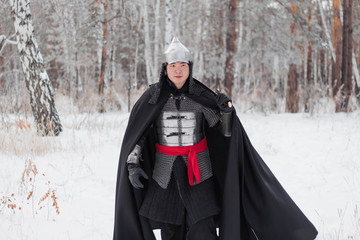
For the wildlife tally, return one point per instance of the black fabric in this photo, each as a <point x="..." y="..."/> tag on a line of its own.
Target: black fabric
<point x="173" y="232"/>
<point x="252" y="201"/>
<point x="169" y="205"/>
<point x="202" y="230"/>
<point x="163" y="205"/>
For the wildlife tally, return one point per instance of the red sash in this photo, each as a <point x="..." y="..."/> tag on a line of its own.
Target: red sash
<point x="191" y="151"/>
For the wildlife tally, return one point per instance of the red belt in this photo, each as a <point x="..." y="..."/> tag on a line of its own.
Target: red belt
<point x="191" y="151"/>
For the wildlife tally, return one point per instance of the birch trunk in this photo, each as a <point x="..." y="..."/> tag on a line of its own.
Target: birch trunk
<point x="103" y="58"/>
<point x="156" y="64"/>
<point x="355" y="69"/>
<point x="321" y="55"/>
<point x="169" y="32"/>
<point x="148" y="57"/>
<point x="219" y="40"/>
<point x="36" y="78"/>
<point x="326" y="29"/>
<point x="356" y="65"/>
<point x="2" y="43"/>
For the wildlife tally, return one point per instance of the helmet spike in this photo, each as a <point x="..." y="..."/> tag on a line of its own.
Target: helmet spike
<point x="177" y="52"/>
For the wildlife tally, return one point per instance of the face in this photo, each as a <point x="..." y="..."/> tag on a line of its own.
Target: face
<point x="178" y="73"/>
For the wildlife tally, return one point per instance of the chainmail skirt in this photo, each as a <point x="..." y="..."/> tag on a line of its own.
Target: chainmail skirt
<point x="180" y="202"/>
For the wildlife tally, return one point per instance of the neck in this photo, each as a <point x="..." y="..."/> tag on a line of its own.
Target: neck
<point x="178" y="88"/>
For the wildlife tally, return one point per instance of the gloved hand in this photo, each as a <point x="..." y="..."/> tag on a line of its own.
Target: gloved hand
<point x="135" y="172"/>
<point x="222" y="101"/>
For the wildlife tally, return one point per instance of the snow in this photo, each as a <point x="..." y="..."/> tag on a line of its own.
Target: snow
<point x="315" y="157"/>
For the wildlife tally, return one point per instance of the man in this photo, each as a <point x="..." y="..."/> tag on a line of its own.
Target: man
<point x="203" y="171"/>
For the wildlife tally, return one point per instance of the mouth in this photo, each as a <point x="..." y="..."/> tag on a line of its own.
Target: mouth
<point x="178" y="76"/>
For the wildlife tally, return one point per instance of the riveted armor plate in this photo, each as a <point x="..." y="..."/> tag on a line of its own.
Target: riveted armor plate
<point x="179" y="128"/>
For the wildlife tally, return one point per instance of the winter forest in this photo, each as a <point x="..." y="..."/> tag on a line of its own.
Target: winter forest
<point x="71" y="70"/>
<point x="282" y="56"/>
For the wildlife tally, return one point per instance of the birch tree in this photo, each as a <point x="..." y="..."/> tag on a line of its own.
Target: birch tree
<point x="219" y="42"/>
<point x="2" y="42"/>
<point x="169" y="31"/>
<point x="103" y="56"/>
<point x="148" y="57"/>
<point x="36" y="78"/>
<point x="321" y="54"/>
<point x="270" y="65"/>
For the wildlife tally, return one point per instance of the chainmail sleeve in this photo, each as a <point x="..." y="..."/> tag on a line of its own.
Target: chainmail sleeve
<point x="212" y="117"/>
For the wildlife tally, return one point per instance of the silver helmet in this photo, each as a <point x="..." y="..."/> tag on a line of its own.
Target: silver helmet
<point x="176" y="52"/>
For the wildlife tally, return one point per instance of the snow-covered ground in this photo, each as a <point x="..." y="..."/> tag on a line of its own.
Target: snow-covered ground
<point x="316" y="158"/>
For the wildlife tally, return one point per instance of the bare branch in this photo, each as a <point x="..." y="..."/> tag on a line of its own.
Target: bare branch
<point x="6" y="40"/>
<point x="299" y="20"/>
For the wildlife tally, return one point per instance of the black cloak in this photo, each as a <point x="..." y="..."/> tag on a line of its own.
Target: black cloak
<point x="254" y="206"/>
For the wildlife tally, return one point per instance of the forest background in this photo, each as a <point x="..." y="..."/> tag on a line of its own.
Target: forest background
<point x="90" y="60"/>
<point x="270" y="56"/>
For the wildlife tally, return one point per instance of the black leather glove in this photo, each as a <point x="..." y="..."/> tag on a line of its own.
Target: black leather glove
<point x="135" y="172"/>
<point x="222" y="101"/>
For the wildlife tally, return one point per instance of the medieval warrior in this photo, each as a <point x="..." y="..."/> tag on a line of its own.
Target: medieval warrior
<point x="202" y="172"/>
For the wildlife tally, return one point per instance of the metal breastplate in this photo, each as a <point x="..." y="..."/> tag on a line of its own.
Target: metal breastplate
<point x="177" y="128"/>
<point x="181" y="123"/>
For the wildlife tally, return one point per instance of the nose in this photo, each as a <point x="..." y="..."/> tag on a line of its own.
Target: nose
<point x="177" y="70"/>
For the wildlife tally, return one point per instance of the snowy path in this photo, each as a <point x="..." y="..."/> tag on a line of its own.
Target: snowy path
<point x="315" y="158"/>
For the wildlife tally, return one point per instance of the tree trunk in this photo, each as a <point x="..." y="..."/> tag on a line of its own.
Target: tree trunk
<point x="322" y="75"/>
<point x="148" y="47"/>
<point x="308" y="83"/>
<point x="2" y="68"/>
<point x="336" y="64"/>
<point x="157" y="40"/>
<point x="94" y="51"/>
<point x="356" y="67"/>
<point x="346" y="68"/>
<point x="230" y="46"/>
<point x="78" y="80"/>
<point x="103" y="58"/>
<point x="292" y="98"/>
<point x="169" y="32"/>
<point x="219" y="45"/>
<point x="36" y="78"/>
